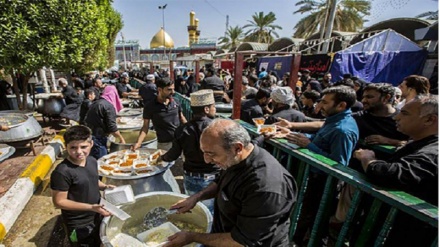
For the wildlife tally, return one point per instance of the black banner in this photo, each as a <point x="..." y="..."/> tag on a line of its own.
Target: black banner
<point x="317" y="64"/>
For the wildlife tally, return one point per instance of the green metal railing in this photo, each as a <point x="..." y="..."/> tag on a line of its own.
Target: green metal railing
<point x="299" y="162"/>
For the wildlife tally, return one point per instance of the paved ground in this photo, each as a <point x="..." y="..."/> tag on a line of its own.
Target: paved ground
<point x="39" y="224"/>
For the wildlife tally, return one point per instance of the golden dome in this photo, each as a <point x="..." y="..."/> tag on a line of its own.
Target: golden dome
<point x="158" y="40"/>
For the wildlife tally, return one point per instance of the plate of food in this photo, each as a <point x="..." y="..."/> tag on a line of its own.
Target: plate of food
<point x="267" y="129"/>
<point x="258" y="121"/>
<point x="158" y="236"/>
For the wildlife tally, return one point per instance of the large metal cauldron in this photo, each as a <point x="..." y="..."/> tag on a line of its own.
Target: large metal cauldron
<point x="29" y="130"/>
<point x="12" y="102"/>
<point x="111" y="226"/>
<point x="50" y="104"/>
<point x="130" y="137"/>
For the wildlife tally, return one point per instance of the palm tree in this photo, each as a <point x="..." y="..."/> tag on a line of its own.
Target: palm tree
<point x="262" y="28"/>
<point x="232" y="38"/>
<point x="349" y="16"/>
<point x="430" y="15"/>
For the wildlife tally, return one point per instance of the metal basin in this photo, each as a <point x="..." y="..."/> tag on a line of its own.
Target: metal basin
<point x="28" y="130"/>
<point x="50" y="104"/>
<point x="130" y="137"/>
<point x="12" y="101"/>
<point x="111" y="226"/>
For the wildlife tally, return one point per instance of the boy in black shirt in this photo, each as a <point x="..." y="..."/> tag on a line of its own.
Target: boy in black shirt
<point x="75" y="189"/>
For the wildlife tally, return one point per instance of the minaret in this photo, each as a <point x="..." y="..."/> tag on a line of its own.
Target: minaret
<point x="192" y="28"/>
<point x="197" y="30"/>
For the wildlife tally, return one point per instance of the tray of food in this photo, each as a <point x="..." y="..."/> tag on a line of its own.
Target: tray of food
<point x="267" y="129"/>
<point x="6" y="151"/>
<point x="12" y="119"/>
<point x="258" y="121"/>
<point x="158" y="236"/>
<point x="127" y="164"/>
<point x="126" y="102"/>
<point x="127" y="112"/>
<point x="130" y="122"/>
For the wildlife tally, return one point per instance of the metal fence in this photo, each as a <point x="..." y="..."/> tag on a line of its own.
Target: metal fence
<point x="299" y="163"/>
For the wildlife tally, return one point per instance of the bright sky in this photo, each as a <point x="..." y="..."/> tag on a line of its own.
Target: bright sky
<point x="142" y="18"/>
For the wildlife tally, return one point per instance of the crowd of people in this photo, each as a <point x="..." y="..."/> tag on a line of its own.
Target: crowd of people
<point x="249" y="192"/>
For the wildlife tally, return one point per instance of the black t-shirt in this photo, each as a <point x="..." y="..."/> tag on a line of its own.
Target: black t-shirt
<point x="148" y="92"/>
<point x="289" y="114"/>
<point x="101" y="118"/>
<point x="81" y="184"/>
<point x="254" y="201"/>
<point x="373" y="125"/>
<point x="165" y="118"/>
<point x="122" y="88"/>
<point x="250" y="109"/>
<point x="187" y="139"/>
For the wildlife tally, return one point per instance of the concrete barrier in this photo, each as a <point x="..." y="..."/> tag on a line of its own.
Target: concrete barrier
<point x="16" y="198"/>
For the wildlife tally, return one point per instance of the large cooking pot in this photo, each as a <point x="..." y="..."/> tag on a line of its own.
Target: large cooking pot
<point x="12" y="102"/>
<point x="50" y="104"/>
<point x="130" y="137"/>
<point x="28" y="130"/>
<point x="111" y="226"/>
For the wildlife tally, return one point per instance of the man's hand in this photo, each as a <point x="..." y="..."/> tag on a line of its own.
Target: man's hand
<point x="365" y="157"/>
<point x="135" y="146"/>
<point x="298" y="139"/>
<point x="100" y="210"/>
<point x="5" y="128"/>
<point x="281" y="133"/>
<point x="376" y="139"/>
<point x="121" y="140"/>
<point x="185" y="205"/>
<point x="179" y="239"/>
<point x="283" y="123"/>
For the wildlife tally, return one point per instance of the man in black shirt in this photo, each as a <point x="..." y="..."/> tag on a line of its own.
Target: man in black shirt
<point x="212" y="81"/>
<point x="165" y="113"/>
<point x="413" y="168"/>
<point x="252" y="108"/>
<point x="283" y="99"/>
<point x="75" y="189"/>
<point x="253" y="195"/>
<point x="197" y="173"/>
<point x="148" y="91"/>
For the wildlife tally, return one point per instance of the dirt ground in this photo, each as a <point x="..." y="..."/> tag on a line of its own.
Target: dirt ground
<point x="39" y="224"/>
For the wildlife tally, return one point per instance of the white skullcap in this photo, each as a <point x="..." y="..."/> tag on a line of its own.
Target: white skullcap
<point x="283" y="95"/>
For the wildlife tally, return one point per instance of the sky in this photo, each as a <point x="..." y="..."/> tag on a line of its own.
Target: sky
<point x="143" y="19"/>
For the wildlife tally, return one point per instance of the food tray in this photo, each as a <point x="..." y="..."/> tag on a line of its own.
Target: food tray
<point x="166" y="229"/>
<point x="119" y="195"/>
<point x="130" y="123"/>
<point x="6" y="151"/>
<point x="161" y="167"/>
<point x="127" y="112"/>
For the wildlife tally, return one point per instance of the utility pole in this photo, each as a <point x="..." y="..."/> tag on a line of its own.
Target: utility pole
<point x="123" y="51"/>
<point x="329" y="28"/>
<point x="163" y="27"/>
<point x="227" y="25"/>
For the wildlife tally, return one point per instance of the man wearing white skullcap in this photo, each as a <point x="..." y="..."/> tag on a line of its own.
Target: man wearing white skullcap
<point x="283" y="100"/>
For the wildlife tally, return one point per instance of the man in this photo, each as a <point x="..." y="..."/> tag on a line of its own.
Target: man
<point x="335" y="140"/>
<point x="285" y="80"/>
<point x="165" y="113"/>
<point x="197" y="174"/>
<point x="148" y="91"/>
<point x="214" y="83"/>
<point x="413" y="168"/>
<point x="98" y="87"/>
<point x="124" y="88"/>
<point x="253" y="108"/>
<point x="76" y="189"/>
<point x="326" y="80"/>
<point x="412" y="86"/>
<point x="262" y="74"/>
<point x="309" y="101"/>
<point x="247" y="92"/>
<point x="253" y="195"/>
<point x="283" y="100"/>
<point x="337" y="137"/>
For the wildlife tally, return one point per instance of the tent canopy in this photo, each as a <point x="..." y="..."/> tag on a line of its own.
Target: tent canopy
<point x="385" y="57"/>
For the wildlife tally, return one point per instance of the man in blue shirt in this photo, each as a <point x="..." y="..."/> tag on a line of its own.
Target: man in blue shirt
<point x="336" y="140"/>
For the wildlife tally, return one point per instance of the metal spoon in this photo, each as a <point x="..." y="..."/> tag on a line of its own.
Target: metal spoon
<point x="157" y="216"/>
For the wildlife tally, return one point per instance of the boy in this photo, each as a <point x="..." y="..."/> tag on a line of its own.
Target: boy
<point x="75" y="189"/>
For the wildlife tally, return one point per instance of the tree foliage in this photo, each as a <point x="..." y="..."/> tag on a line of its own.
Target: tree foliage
<point x="349" y="17"/>
<point x="233" y="37"/>
<point x="262" y="28"/>
<point x="63" y="34"/>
